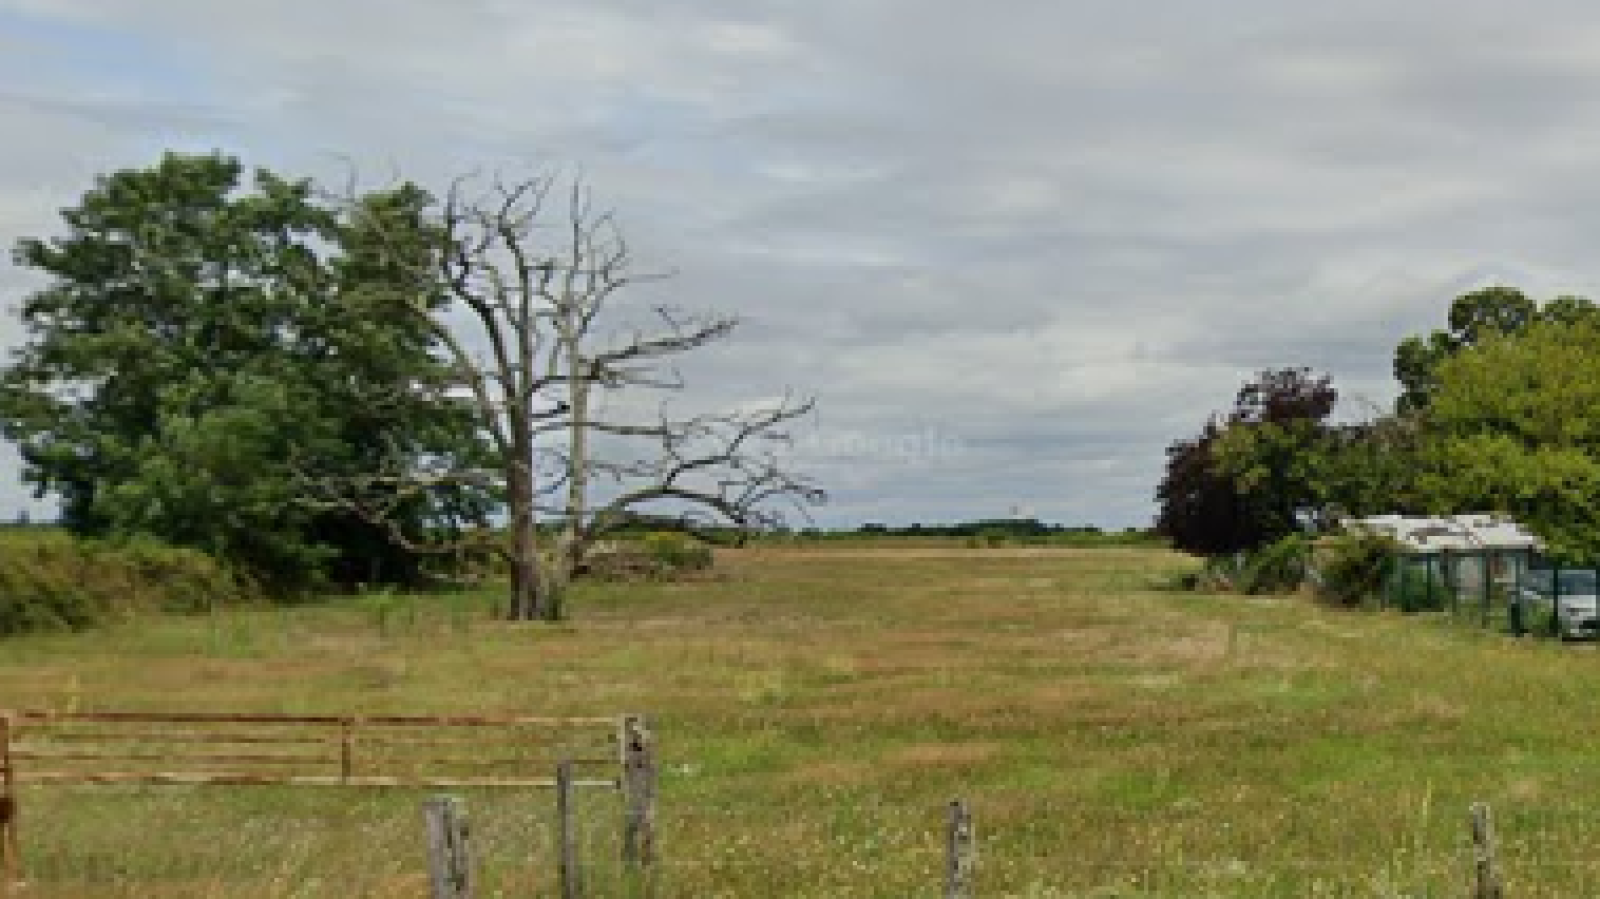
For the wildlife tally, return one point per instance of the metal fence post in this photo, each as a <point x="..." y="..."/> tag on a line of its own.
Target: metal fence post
<point x="1488" y="563"/>
<point x="449" y="862"/>
<point x="1555" y="600"/>
<point x="1450" y="575"/>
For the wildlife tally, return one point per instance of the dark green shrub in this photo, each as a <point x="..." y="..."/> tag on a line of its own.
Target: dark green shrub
<point x="56" y="582"/>
<point x="1278" y="567"/>
<point x="993" y="537"/>
<point x="1352" y="568"/>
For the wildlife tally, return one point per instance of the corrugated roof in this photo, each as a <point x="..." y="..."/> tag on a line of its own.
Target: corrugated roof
<point x="1471" y="531"/>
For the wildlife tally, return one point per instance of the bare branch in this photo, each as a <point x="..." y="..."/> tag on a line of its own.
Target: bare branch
<point x="527" y="288"/>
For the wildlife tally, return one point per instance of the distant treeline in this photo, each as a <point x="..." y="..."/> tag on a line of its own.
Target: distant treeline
<point x="1024" y="530"/>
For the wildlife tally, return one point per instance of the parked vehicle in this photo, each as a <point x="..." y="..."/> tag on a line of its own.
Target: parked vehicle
<point x="1578" y="605"/>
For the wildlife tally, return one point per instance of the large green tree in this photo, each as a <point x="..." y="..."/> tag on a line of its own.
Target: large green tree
<point x="1512" y="427"/>
<point x="203" y="336"/>
<point x="1245" y="479"/>
<point x="1369" y="467"/>
<point x="1473" y="318"/>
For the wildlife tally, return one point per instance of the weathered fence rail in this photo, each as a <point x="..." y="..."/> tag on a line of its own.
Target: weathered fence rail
<point x="227" y="749"/>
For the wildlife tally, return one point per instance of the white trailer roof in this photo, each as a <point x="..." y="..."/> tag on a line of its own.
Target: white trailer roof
<point x="1473" y="531"/>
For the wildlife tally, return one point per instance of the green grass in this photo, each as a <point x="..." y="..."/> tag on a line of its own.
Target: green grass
<point x="817" y="707"/>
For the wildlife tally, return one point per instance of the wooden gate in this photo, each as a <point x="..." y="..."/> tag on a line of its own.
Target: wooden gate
<point x="228" y="749"/>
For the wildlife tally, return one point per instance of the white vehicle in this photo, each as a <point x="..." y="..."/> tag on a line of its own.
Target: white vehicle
<point x="1578" y="606"/>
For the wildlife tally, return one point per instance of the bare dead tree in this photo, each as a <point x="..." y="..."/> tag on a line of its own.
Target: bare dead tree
<point x="529" y="270"/>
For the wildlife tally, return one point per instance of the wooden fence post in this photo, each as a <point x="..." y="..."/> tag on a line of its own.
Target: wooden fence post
<point x="449" y="862"/>
<point x="10" y="846"/>
<point x="571" y="870"/>
<point x="638" y="801"/>
<point x="961" y="857"/>
<point x="1486" y="882"/>
<point x="347" y="740"/>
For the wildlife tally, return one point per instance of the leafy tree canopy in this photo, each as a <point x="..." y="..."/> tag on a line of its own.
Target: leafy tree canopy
<point x="1512" y="428"/>
<point x="201" y="335"/>
<point x="1473" y="318"/>
<point x="1242" y="482"/>
<point x="1370" y="468"/>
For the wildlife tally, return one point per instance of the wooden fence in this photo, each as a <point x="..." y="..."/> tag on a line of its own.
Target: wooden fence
<point x="961" y="853"/>
<point x="42" y="747"/>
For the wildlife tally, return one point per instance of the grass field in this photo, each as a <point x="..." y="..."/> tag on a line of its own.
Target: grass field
<point x="817" y="707"/>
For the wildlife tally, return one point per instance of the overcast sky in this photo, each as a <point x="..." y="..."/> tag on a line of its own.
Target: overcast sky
<point x="1015" y="248"/>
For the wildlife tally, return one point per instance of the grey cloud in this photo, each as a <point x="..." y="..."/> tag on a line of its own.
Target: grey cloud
<point x="1057" y="234"/>
<point x="131" y="114"/>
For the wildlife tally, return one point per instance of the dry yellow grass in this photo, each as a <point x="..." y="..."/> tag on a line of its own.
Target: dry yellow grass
<point x="818" y="706"/>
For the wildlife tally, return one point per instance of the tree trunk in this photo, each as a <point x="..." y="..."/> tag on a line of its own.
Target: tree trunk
<point x="565" y="561"/>
<point x="525" y="604"/>
<point x="527" y="591"/>
<point x="574" y="536"/>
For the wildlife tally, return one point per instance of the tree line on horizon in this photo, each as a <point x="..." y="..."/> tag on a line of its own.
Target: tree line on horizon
<point x="1004" y="527"/>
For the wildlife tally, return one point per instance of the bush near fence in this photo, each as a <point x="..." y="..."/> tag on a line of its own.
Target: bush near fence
<point x="53" y="581"/>
<point x="1351" y="569"/>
